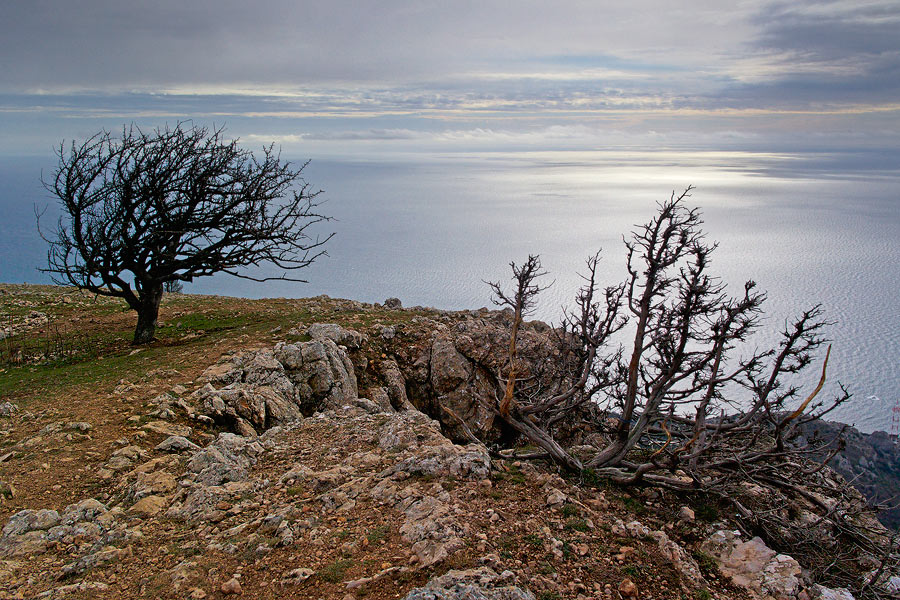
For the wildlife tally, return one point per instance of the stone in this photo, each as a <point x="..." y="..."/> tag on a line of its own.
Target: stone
<point x="153" y="483"/>
<point x="628" y="589"/>
<point x="197" y="594"/>
<point x="434" y="455"/>
<point x="752" y="565"/>
<point x="86" y="510"/>
<point x="322" y="373"/>
<point x="177" y="443"/>
<point x="393" y="303"/>
<point x="182" y="573"/>
<point x="149" y="506"/>
<point x="686" y="514"/>
<point x="168" y="429"/>
<point x="232" y="586"/>
<point x="820" y="592"/>
<point x="30" y="542"/>
<point x="395" y="385"/>
<point x="297" y="576"/>
<point x="556" y="497"/>
<point x="30" y="520"/>
<point x="892" y="585"/>
<point x="681" y="561"/>
<point x="8" y="409"/>
<point x="91" y="561"/>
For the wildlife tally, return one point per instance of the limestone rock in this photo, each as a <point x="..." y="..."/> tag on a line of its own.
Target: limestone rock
<point x="449" y="373"/>
<point x="232" y="586"/>
<point x="321" y="372"/>
<point x="434" y="455"/>
<point x="168" y="429"/>
<point x="91" y="561"/>
<point x="337" y="334"/>
<point x="149" y="506"/>
<point x="177" y="443"/>
<point x="683" y="563"/>
<point x="754" y="566"/>
<point x="819" y="592"/>
<point x="473" y="584"/>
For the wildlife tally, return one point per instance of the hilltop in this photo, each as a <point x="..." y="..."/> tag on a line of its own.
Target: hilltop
<point x="317" y="448"/>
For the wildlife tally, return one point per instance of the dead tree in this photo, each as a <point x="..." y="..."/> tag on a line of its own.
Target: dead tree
<point x="146" y="210"/>
<point x="689" y="405"/>
<point x="679" y="388"/>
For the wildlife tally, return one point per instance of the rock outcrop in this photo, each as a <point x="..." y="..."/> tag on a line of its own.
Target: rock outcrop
<point x="253" y="391"/>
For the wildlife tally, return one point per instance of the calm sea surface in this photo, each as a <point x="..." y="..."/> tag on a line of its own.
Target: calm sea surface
<point x="808" y="228"/>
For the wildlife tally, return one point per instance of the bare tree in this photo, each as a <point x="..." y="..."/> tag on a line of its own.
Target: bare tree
<point x="146" y="210"/>
<point x="688" y="404"/>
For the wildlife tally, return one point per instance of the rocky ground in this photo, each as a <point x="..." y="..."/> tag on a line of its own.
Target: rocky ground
<point x="314" y="448"/>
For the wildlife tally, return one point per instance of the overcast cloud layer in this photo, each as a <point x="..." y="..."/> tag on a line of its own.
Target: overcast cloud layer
<point x="344" y="77"/>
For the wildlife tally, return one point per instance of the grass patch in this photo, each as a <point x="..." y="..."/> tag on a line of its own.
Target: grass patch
<point x="708" y="565"/>
<point x="589" y="478"/>
<point x="635" y="571"/>
<point x="569" y="510"/>
<point x="707" y="512"/>
<point x="577" y="525"/>
<point x="378" y="534"/>
<point x="634" y="505"/>
<point x="334" y="572"/>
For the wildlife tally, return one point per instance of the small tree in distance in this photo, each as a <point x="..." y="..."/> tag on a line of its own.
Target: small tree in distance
<point x="148" y="211"/>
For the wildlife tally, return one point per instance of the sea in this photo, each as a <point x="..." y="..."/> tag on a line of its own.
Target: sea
<point x="809" y="228"/>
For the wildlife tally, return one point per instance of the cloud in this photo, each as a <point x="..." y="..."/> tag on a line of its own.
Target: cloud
<point x="348" y="72"/>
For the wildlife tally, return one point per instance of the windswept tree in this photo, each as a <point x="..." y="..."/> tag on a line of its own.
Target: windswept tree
<point x="153" y="209"/>
<point x="664" y="374"/>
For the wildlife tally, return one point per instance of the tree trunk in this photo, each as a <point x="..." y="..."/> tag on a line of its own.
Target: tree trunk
<point x="148" y="314"/>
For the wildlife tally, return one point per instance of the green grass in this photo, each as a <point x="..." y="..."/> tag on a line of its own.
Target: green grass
<point x="708" y="565"/>
<point x="577" y="525"/>
<point x="210" y="322"/>
<point x="707" y="512"/>
<point x="334" y="572"/>
<point x="634" y="505"/>
<point x="377" y="534"/>
<point x="55" y="376"/>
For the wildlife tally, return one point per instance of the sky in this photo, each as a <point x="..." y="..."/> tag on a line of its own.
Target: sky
<point x="370" y="79"/>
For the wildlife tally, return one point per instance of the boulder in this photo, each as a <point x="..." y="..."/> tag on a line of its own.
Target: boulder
<point x="266" y="388"/>
<point x="754" y="566"/>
